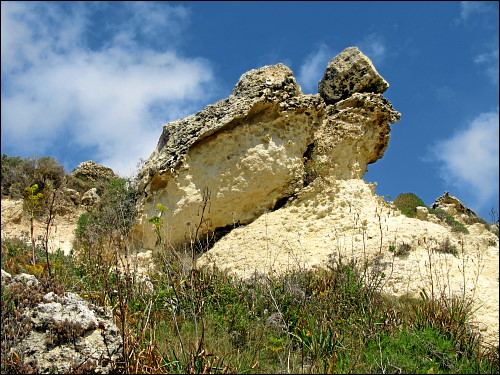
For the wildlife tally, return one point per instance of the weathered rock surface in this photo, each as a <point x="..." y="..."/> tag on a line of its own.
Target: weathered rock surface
<point x="248" y="153"/>
<point x="287" y="168"/>
<point x="72" y="195"/>
<point x="16" y="224"/>
<point x="344" y="218"/>
<point x="64" y="333"/>
<point x="349" y="72"/>
<point x="353" y="134"/>
<point x="453" y="206"/>
<point x="90" y="197"/>
<point x="91" y="171"/>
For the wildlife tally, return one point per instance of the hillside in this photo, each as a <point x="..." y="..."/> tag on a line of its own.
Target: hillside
<point x="249" y="241"/>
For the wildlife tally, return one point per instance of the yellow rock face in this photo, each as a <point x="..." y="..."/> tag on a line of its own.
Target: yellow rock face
<point x="239" y="158"/>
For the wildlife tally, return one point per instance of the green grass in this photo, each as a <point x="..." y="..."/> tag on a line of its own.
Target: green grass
<point x="327" y="321"/>
<point x="417" y="351"/>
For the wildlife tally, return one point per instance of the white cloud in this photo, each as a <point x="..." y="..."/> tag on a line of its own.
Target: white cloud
<point x="489" y="61"/>
<point x="313" y="68"/>
<point x="106" y="98"/>
<point x="468" y="8"/>
<point x="470" y="158"/>
<point x="373" y="46"/>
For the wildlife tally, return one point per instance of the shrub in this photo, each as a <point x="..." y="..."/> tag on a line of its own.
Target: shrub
<point x="84" y="222"/>
<point x="403" y="250"/>
<point x="77" y="184"/>
<point x="17" y="173"/>
<point x="407" y="203"/>
<point x="455" y="225"/>
<point x="447" y="247"/>
<point x="476" y="219"/>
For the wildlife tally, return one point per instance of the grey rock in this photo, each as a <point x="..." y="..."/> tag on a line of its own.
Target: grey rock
<point x="90" y="197"/>
<point x="24" y="278"/>
<point x="348" y="73"/>
<point x="67" y="333"/>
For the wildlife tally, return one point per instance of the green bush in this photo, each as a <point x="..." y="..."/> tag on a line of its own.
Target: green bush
<point x="455" y="225"/>
<point x="407" y="203"/>
<point x="84" y="221"/>
<point x="447" y="247"/>
<point x="403" y="250"/>
<point x="17" y="173"/>
<point x="78" y="184"/>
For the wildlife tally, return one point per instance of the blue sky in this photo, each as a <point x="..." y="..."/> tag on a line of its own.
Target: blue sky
<point x="97" y="80"/>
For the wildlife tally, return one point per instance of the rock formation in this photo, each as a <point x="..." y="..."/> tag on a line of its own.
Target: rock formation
<point x="347" y="73"/>
<point x="453" y="206"/>
<point x="247" y="154"/>
<point x="282" y="173"/>
<point x="90" y="171"/>
<point x="72" y="195"/>
<point x="90" y="197"/>
<point x="60" y="333"/>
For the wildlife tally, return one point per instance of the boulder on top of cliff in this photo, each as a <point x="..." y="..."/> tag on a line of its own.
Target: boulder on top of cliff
<point x="247" y="154"/>
<point x="348" y="73"/>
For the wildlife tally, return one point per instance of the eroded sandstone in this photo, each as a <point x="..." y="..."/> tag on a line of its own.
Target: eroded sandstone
<point x="244" y="155"/>
<point x="344" y="218"/>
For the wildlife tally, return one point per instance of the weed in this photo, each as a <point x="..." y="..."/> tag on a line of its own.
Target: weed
<point x="402" y="250"/>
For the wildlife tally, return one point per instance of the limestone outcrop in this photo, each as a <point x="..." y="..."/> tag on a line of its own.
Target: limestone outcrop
<point x="350" y="72"/>
<point x="90" y="171"/>
<point x="453" y="206"/>
<point x="247" y="154"/>
<point x="90" y="198"/>
<point x="281" y="173"/>
<point x="58" y="333"/>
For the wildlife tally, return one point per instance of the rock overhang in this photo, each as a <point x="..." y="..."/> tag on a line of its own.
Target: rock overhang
<point x="264" y="143"/>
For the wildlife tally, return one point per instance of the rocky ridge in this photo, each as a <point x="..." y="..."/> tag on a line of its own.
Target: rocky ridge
<point x="91" y="171"/>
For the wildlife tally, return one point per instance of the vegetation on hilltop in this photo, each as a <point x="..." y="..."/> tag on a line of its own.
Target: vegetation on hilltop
<point x="19" y="173"/>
